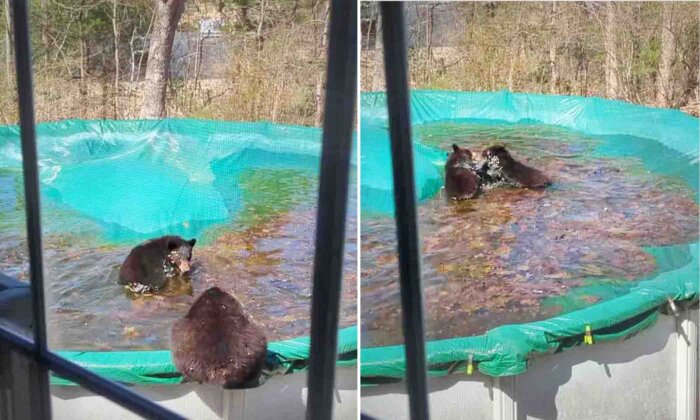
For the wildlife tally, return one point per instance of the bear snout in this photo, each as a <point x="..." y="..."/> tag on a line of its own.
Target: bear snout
<point x="184" y="266"/>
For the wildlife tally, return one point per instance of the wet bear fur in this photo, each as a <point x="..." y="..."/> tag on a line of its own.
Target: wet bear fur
<point x="500" y="167"/>
<point x="217" y="343"/>
<point x="461" y="180"/>
<point x="149" y="265"/>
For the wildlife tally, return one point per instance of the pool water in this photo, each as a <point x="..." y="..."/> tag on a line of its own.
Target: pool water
<point x="515" y="255"/>
<point x="263" y="255"/>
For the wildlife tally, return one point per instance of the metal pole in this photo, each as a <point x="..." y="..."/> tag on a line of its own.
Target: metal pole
<point x="40" y="396"/>
<point x="396" y="70"/>
<point x="341" y="82"/>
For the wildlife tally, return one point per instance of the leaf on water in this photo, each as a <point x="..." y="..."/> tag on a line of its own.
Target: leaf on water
<point x="130" y="332"/>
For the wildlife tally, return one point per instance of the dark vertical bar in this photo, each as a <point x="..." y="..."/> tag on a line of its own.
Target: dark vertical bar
<point x="341" y="81"/>
<point x="396" y="70"/>
<point x="41" y="403"/>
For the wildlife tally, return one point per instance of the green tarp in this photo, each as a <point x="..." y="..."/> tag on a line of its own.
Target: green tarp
<point x="156" y="367"/>
<point x="506" y="350"/>
<point x="190" y="170"/>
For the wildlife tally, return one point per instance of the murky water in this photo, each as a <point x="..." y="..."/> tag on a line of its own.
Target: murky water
<point x="515" y="255"/>
<point x="264" y="257"/>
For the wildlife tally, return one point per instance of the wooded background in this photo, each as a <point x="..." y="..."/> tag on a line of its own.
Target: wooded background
<point x="640" y="52"/>
<point x="265" y="59"/>
<point x="231" y="59"/>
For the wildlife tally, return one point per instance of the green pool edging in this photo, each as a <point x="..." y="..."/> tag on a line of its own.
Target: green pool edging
<point x="156" y="367"/>
<point x="506" y="350"/>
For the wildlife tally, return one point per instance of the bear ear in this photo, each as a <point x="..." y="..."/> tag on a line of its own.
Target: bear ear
<point x="191" y="242"/>
<point x="468" y="152"/>
<point x="455" y="148"/>
<point x="172" y="245"/>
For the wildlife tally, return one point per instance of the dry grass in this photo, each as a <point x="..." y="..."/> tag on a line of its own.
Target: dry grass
<point x="515" y="48"/>
<point x="276" y="83"/>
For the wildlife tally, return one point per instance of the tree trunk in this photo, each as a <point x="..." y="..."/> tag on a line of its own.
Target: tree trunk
<point x="517" y="40"/>
<point x="511" y="72"/>
<point x="132" y="56"/>
<point x="430" y="20"/>
<point x="372" y="18"/>
<point x="294" y="10"/>
<point x="378" y="70"/>
<point x="321" y="83"/>
<point x="83" y="63"/>
<point x="612" y="79"/>
<point x="115" y="29"/>
<point x="668" y="48"/>
<point x="9" y="69"/>
<point x="167" y="16"/>
<point x="44" y="31"/>
<point x="241" y="15"/>
<point x="104" y="83"/>
<point x="554" y="72"/>
<point x="259" y="34"/>
<point x="314" y="5"/>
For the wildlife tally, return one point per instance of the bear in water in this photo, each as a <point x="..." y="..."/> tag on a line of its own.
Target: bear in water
<point x="500" y="167"/>
<point x="149" y="265"/>
<point x="217" y="343"/>
<point x="461" y="180"/>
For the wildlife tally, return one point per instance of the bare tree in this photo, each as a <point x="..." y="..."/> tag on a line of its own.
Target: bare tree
<point x="259" y="33"/>
<point x="44" y="30"/>
<point x="378" y="68"/>
<point x="8" y="41"/>
<point x="240" y="13"/>
<point x="610" y="29"/>
<point x="321" y="83"/>
<point x="668" y="50"/>
<point x="554" y="73"/>
<point x="115" y="29"/>
<point x="516" y="39"/>
<point x="83" y="65"/>
<point x="167" y="16"/>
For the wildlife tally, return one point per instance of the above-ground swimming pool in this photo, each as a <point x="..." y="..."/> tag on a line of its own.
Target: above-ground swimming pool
<point x="517" y="272"/>
<point x="246" y="191"/>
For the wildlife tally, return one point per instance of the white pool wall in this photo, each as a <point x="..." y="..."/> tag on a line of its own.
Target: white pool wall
<point x="281" y="397"/>
<point x="650" y="376"/>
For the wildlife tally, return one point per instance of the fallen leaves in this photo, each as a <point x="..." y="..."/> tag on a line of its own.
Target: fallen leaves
<point x="515" y="249"/>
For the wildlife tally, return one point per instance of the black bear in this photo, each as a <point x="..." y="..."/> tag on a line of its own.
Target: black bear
<point x="461" y="180"/>
<point x="501" y="168"/>
<point x="149" y="265"/>
<point x="217" y="343"/>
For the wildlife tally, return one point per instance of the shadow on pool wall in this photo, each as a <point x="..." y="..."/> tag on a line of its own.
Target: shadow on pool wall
<point x="668" y="152"/>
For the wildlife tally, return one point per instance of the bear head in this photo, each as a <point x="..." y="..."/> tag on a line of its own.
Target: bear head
<point x="179" y="253"/>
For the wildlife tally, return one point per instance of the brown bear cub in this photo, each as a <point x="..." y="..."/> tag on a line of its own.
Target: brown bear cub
<point x="217" y="343"/>
<point x="461" y="180"/>
<point x="148" y="266"/>
<point x="501" y="168"/>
